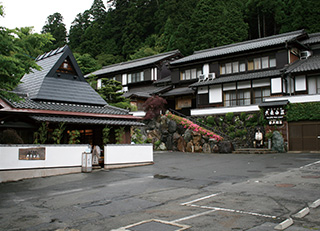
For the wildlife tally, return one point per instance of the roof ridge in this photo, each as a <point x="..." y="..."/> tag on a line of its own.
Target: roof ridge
<point x="250" y="41"/>
<point x="51" y="53"/>
<point x="143" y="58"/>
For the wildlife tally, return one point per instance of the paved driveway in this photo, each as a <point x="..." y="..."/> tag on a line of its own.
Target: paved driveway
<point x="181" y="191"/>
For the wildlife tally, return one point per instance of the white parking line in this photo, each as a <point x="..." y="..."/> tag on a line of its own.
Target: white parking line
<point x="200" y="199"/>
<point x="193" y="216"/>
<point x="308" y="165"/>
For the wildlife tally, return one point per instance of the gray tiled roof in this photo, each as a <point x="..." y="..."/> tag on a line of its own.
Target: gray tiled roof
<point x="310" y="64"/>
<point x="241" y="47"/>
<point x="164" y="80"/>
<point x="239" y="77"/>
<point x="313" y="38"/>
<point x="68" y="107"/>
<point x="42" y="85"/>
<point x="86" y="120"/>
<point x="145" y="92"/>
<point x="134" y="63"/>
<point x="179" y="91"/>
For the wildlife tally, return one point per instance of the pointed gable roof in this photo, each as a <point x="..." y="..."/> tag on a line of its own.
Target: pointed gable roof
<point x="52" y="84"/>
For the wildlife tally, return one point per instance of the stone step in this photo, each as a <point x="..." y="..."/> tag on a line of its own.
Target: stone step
<point x="253" y="151"/>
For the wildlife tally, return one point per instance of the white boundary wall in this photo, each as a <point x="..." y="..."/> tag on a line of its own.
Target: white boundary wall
<point x="59" y="159"/>
<point x="127" y="154"/>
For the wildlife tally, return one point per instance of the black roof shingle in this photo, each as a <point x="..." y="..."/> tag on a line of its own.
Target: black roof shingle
<point x="44" y="84"/>
<point x="241" y="47"/>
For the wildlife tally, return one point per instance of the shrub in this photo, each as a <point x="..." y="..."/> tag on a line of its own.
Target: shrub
<point x="210" y="120"/>
<point x="229" y="117"/>
<point x="243" y="116"/>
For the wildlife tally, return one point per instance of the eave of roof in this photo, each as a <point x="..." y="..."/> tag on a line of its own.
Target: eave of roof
<point x="134" y="63"/>
<point x="239" y="77"/>
<point x="85" y="120"/>
<point x="310" y="64"/>
<point x="30" y="111"/>
<point x="241" y="47"/>
<point x="179" y="91"/>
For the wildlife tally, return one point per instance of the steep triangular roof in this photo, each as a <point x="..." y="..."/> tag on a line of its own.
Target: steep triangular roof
<point x="54" y="83"/>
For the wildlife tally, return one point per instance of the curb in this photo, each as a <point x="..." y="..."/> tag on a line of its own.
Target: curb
<point x="285" y="224"/>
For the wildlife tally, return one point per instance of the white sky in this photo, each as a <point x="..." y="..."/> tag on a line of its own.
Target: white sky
<point x="22" y="13"/>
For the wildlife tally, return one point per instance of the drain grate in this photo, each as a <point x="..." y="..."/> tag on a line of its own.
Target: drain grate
<point x="156" y="225"/>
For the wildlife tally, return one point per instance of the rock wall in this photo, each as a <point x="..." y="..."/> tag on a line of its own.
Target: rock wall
<point x="166" y="134"/>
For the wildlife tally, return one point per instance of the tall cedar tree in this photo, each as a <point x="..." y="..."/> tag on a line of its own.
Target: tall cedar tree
<point x="136" y="27"/>
<point x="55" y="26"/>
<point x="216" y="23"/>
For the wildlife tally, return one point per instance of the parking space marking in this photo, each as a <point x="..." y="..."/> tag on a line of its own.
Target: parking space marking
<point x="193" y="216"/>
<point x="200" y="199"/>
<point x="309" y="165"/>
<point x="214" y="209"/>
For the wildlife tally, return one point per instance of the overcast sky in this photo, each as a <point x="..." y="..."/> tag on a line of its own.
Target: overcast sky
<point x="22" y="13"/>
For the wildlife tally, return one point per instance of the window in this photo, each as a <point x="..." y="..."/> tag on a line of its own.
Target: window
<point x="190" y="74"/>
<point x="257" y="63"/>
<point x="272" y="61"/>
<point x="235" y="67"/>
<point x="237" y="98"/>
<point x="314" y="85"/>
<point x="259" y="94"/>
<point x="228" y="68"/>
<point x="242" y="67"/>
<point x="265" y="62"/>
<point x="252" y="64"/>
<point x="136" y="77"/>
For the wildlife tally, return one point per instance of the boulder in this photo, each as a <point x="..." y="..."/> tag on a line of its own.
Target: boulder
<point x="215" y="148"/>
<point x="197" y="147"/>
<point x="169" y="142"/>
<point x="176" y="136"/>
<point x="154" y="133"/>
<point x="187" y="135"/>
<point x="206" y="148"/>
<point x="162" y="147"/>
<point x="196" y="137"/>
<point x="190" y="147"/>
<point x="226" y="147"/>
<point x="277" y="142"/>
<point x="172" y="126"/>
<point x="181" y="144"/>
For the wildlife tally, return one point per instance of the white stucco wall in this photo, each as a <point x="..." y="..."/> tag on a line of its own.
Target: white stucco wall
<point x="59" y="159"/>
<point x="55" y="156"/>
<point x="128" y="154"/>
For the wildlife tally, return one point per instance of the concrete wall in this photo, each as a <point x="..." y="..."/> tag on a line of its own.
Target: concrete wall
<point x="59" y="159"/>
<point x="127" y="154"/>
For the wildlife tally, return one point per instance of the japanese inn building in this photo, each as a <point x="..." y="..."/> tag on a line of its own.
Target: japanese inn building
<point x="268" y="73"/>
<point x="59" y="93"/>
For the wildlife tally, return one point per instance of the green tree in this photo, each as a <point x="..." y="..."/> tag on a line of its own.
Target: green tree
<point x="264" y="17"/>
<point x="217" y="22"/>
<point x="77" y="30"/>
<point x="301" y="14"/>
<point x="111" y="91"/>
<point x="86" y="63"/>
<point x="55" y="26"/>
<point x="18" y="47"/>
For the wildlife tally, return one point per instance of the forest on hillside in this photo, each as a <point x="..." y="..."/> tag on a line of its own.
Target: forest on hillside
<point x="121" y="30"/>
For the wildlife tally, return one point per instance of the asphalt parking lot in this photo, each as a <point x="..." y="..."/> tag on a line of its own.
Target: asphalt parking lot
<point x="181" y="191"/>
